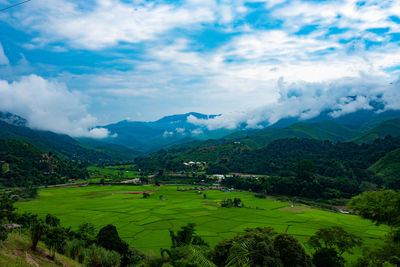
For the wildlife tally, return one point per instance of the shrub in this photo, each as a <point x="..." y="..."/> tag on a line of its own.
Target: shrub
<point x="97" y="257"/>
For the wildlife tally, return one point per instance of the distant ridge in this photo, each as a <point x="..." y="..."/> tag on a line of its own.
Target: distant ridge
<point x="12" y="119"/>
<point x="63" y="144"/>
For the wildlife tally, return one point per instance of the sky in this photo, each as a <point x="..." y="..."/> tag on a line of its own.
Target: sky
<point x="69" y="65"/>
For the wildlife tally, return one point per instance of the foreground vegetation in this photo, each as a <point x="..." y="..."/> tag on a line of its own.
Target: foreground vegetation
<point x="259" y="246"/>
<point x="145" y="223"/>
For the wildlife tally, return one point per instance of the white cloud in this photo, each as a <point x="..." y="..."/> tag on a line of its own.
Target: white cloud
<point x="108" y="22"/>
<point x="305" y="100"/>
<point x="49" y="106"/>
<point x="167" y="134"/>
<point x="3" y="57"/>
<point x="197" y="131"/>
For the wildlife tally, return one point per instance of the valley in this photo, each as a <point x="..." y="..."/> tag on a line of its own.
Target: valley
<point x="145" y="223"/>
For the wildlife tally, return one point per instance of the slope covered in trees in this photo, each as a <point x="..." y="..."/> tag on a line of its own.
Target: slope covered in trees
<point x="24" y="165"/>
<point x="66" y="146"/>
<point x="305" y="167"/>
<point x="388" y="169"/>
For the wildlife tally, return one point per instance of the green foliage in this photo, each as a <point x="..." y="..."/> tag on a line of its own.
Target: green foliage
<point x="186" y="236"/>
<point x="37" y="230"/>
<point x="327" y="257"/>
<point x="30" y="166"/>
<point x="55" y="239"/>
<point x="381" y="206"/>
<point x="297" y="167"/>
<point x="86" y="231"/>
<point x="389" y="127"/>
<point x="334" y="238"/>
<point x="75" y="249"/>
<point x="388" y="168"/>
<point x="145" y="195"/>
<point x="290" y="252"/>
<point x="254" y="247"/>
<point x="229" y="203"/>
<point x="98" y="256"/>
<point x="3" y="233"/>
<point x="52" y="220"/>
<point x="109" y="239"/>
<point x="6" y="208"/>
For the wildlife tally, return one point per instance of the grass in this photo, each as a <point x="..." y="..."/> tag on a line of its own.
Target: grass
<point x="123" y="171"/>
<point x="144" y="223"/>
<point x="16" y="252"/>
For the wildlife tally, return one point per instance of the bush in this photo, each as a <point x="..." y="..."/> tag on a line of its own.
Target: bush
<point x="97" y="257"/>
<point x="74" y="248"/>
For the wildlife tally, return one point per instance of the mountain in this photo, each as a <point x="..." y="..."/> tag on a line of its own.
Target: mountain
<point x="325" y="130"/>
<point x="63" y="144"/>
<point x="12" y="119"/>
<point x="169" y="130"/>
<point x="389" y="127"/>
<point x="388" y="169"/>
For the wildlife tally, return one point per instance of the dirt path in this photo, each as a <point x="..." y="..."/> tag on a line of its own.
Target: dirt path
<point x="142" y="192"/>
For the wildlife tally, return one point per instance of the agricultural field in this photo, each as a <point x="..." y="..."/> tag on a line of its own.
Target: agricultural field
<point x="144" y="223"/>
<point x="112" y="173"/>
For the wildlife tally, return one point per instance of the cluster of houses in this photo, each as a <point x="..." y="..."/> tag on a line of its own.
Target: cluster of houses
<point x="197" y="164"/>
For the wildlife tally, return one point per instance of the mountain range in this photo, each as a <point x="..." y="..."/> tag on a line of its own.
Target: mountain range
<point x="128" y="139"/>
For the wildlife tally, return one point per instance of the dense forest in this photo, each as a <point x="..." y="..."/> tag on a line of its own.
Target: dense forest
<point x="303" y="167"/>
<point x="86" y="151"/>
<point x="24" y="165"/>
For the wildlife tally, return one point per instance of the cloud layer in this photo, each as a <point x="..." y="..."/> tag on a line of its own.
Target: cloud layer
<point x="307" y="100"/>
<point x="49" y="106"/>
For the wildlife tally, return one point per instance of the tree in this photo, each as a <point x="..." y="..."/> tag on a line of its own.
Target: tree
<point x="327" y="257"/>
<point x="37" y="229"/>
<point x="52" y="220"/>
<point x="254" y="247"/>
<point x="381" y="206"/>
<point x="334" y="237"/>
<point x="305" y="169"/>
<point x="186" y="236"/>
<point x="291" y="253"/>
<point x="55" y="239"/>
<point x="331" y="243"/>
<point x="6" y="208"/>
<point x="86" y="232"/>
<point x="109" y="239"/>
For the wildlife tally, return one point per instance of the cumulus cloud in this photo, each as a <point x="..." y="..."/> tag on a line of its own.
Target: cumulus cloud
<point x="49" y="105"/>
<point x="107" y="22"/>
<point x="305" y="100"/>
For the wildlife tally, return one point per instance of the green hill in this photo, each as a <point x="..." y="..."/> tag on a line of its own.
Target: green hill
<point x="64" y="145"/>
<point x="389" y="127"/>
<point x="388" y="169"/>
<point x="326" y="130"/>
<point x="23" y="165"/>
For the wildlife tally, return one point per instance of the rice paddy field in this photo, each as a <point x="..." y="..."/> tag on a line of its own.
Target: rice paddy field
<point x="145" y="223"/>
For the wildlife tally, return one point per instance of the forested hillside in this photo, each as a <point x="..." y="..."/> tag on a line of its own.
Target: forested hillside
<point x="312" y="168"/>
<point x="64" y="145"/>
<point x="24" y="165"/>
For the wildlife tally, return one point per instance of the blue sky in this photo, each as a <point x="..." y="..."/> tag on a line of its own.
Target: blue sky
<point x="70" y="65"/>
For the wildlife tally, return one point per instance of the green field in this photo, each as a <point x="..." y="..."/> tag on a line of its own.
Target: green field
<point x="144" y="223"/>
<point x="109" y="173"/>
